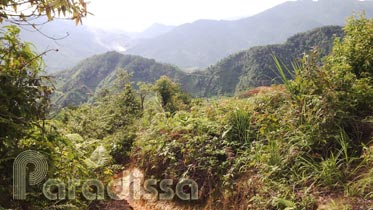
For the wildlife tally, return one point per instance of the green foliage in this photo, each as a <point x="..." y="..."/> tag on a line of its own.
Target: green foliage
<point x="24" y="106"/>
<point x="363" y="184"/>
<point x="279" y="149"/>
<point x="115" y="110"/>
<point x="187" y="144"/>
<point x="144" y="90"/>
<point x="349" y="69"/>
<point x="109" y="121"/>
<point x="24" y="100"/>
<point x="236" y="73"/>
<point x="121" y="143"/>
<point x="172" y="97"/>
<point x="79" y="143"/>
<point x="356" y="48"/>
<point x="24" y="95"/>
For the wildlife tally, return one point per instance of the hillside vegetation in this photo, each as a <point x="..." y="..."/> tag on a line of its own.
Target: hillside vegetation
<point x="306" y="144"/>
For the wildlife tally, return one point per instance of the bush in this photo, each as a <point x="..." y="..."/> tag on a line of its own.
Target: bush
<point x="171" y="96"/>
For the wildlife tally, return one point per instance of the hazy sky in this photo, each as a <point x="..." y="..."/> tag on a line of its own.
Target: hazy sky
<point x="136" y="15"/>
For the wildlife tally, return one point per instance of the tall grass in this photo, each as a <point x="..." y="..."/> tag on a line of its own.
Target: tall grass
<point x="239" y="130"/>
<point x="283" y="71"/>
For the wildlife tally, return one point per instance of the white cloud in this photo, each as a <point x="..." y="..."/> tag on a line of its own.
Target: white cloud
<point x="136" y="15"/>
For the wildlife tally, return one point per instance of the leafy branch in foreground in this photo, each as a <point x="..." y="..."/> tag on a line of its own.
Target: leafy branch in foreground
<point x="20" y="11"/>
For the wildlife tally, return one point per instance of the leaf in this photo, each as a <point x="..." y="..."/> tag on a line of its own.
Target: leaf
<point x="48" y="13"/>
<point x="227" y="131"/>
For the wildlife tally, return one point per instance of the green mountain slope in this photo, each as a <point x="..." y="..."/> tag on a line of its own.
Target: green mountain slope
<point x="204" y="42"/>
<point x="79" y="84"/>
<point x="256" y="67"/>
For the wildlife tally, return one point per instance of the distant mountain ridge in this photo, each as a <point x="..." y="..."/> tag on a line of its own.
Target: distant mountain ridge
<point x="233" y="74"/>
<point x="204" y="42"/>
<point x="154" y="30"/>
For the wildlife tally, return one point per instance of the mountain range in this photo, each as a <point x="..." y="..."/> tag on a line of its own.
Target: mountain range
<point x="202" y="43"/>
<point x="197" y="45"/>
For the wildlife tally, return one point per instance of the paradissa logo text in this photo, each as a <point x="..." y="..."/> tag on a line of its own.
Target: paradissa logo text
<point x="133" y="187"/>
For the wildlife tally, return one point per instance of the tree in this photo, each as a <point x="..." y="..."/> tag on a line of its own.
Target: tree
<point x="144" y="90"/>
<point x="123" y="78"/>
<point x="24" y="94"/>
<point x="21" y="11"/>
<point x="356" y="49"/>
<point x="350" y="68"/>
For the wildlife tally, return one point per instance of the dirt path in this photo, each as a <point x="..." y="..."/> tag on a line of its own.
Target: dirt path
<point x="128" y="186"/>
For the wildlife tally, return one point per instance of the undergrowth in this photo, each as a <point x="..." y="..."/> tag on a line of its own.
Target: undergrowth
<point x="280" y="149"/>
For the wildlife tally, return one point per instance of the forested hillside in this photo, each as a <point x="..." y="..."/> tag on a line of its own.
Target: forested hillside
<point x="93" y="75"/>
<point x="306" y="144"/>
<point x="236" y="73"/>
<point x="256" y="67"/>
